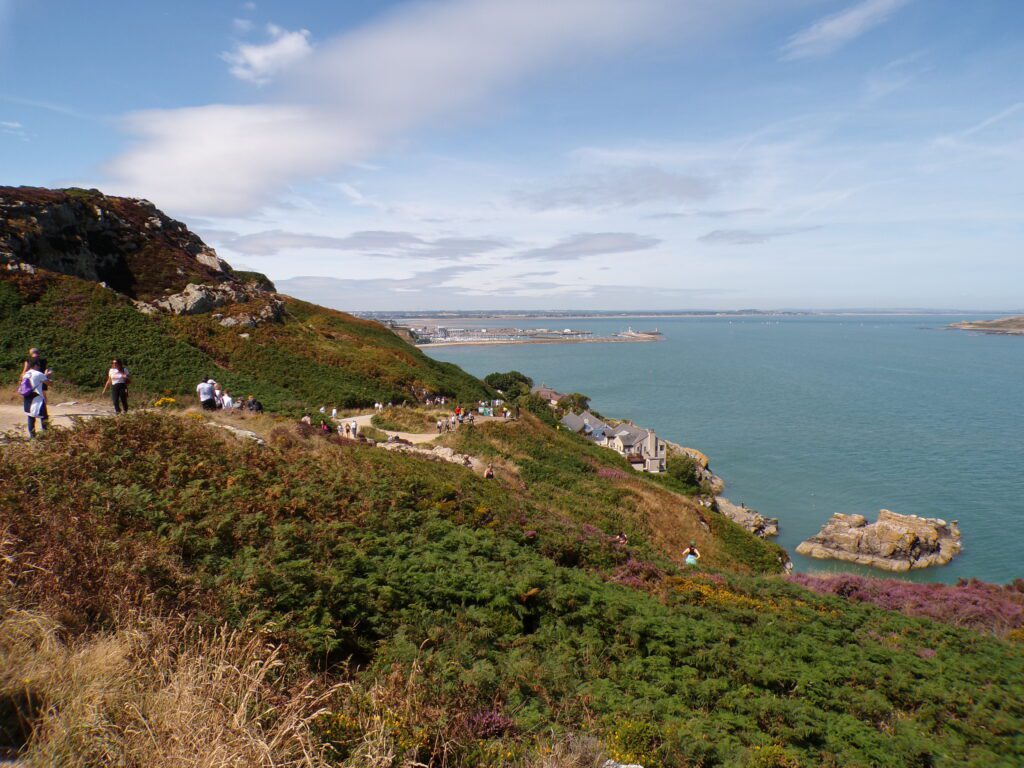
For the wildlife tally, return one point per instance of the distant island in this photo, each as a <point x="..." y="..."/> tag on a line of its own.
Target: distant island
<point x="1006" y="326"/>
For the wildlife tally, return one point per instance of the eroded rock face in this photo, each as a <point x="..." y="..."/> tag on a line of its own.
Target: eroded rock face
<point x="122" y="242"/>
<point x="894" y="542"/>
<point x="751" y="519"/>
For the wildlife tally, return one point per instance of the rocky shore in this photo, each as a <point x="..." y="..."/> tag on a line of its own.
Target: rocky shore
<point x="894" y="542"/>
<point x="751" y="519"/>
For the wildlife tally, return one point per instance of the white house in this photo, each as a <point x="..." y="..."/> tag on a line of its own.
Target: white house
<point x="641" y="447"/>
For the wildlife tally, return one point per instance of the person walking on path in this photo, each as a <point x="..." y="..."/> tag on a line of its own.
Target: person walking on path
<point x="205" y="392"/>
<point x="32" y="389"/>
<point x="117" y="381"/>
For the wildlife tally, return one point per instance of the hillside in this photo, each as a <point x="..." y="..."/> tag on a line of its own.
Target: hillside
<point x="470" y="623"/>
<point x="172" y="595"/>
<point x="56" y="245"/>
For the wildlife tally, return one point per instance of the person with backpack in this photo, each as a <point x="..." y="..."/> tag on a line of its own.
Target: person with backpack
<point x="32" y="390"/>
<point x="117" y="381"/>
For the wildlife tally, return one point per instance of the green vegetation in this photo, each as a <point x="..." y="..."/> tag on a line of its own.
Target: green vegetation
<point x="398" y="419"/>
<point x="574" y="402"/>
<point x="512" y="384"/>
<point x="486" y="617"/>
<point x="314" y="357"/>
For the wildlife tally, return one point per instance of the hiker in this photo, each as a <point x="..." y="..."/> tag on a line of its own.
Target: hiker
<point x="323" y="409"/>
<point x="32" y="389"/>
<point x="489" y="472"/>
<point x="226" y="401"/>
<point x="354" y="429"/>
<point x="323" y="427"/>
<point x="334" y="413"/>
<point x="205" y="392"/>
<point x="342" y="428"/>
<point x="253" y="405"/>
<point x="118" y="379"/>
<point x="440" y="426"/>
<point x="691" y="554"/>
<point x="621" y="540"/>
<point x="306" y="419"/>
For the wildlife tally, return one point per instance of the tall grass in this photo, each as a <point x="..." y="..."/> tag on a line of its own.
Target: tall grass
<point x="154" y="692"/>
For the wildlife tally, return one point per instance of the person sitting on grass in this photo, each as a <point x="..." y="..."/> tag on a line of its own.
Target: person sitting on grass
<point x="489" y="472"/>
<point x="306" y="419"/>
<point x="253" y="405"/>
<point x="691" y="554"/>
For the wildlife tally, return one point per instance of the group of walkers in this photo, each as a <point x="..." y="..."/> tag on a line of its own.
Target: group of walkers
<point x="34" y="385"/>
<point x="349" y="429"/>
<point x="212" y="397"/>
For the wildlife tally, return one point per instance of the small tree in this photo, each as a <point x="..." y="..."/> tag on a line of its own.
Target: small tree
<point x="511" y="383"/>
<point x="575" y="402"/>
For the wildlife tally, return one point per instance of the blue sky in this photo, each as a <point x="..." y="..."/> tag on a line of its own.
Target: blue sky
<point x="620" y="154"/>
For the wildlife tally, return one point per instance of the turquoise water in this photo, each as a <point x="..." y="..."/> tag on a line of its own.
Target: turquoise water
<point x="807" y="416"/>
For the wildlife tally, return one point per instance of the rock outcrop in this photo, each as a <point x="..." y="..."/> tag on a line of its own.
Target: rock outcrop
<point x="751" y="519"/>
<point x="894" y="542"/>
<point x="130" y="247"/>
<point x="124" y="243"/>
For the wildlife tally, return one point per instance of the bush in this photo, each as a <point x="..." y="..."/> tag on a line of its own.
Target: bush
<point x="512" y="384"/>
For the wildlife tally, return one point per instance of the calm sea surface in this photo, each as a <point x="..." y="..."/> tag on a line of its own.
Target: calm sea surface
<point x="807" y="416"/>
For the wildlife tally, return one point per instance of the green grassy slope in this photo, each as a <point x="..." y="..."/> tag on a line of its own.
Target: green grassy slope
<point x="501" y="612"/>
<point x="315" y="357"/>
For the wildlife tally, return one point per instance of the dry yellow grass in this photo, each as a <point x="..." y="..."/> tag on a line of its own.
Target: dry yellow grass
<point x="153" y="693"/>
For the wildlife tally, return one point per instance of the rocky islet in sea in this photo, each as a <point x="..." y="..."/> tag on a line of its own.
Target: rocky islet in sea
<point x="894" y="542"/>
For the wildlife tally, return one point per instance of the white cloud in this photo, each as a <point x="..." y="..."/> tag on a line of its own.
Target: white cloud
<point x="833" y="32"/>
<point x="262" y="63"/>
<point x="378" y="243"/>
<point x="242" y="25"/>
<point x="592" y="244"/>
<point x="418" y="63"/>
<point x="10" y="124"/>
<point x="748" y="236"/>
<point x="621" y="187"/>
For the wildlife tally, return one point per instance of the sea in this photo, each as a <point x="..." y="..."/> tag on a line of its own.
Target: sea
<point x="808" y="415"/>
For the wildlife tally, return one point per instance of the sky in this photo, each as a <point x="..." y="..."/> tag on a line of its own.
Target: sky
<point x="548" y="154"/>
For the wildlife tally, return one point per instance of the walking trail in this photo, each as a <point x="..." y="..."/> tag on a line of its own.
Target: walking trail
<point x="416" y="438"/>
<point x="12" y="416"/>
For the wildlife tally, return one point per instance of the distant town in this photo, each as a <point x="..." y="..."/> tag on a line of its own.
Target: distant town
<point x="435" y="334"/>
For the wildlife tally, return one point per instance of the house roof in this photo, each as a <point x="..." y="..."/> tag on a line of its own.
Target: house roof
<point x="630" y="434"/>
<point x="573" y="422"/>
<point x="547" y="393"/>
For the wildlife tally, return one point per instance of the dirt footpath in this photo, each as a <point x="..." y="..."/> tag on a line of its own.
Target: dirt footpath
<point x="12" y="416"/>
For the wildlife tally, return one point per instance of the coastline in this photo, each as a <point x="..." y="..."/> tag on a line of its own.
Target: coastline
<point x="504" y="342"/>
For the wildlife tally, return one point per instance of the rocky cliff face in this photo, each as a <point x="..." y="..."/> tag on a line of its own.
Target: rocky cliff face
<point x="132" y="248"/>
<point x="895" y="542"/>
